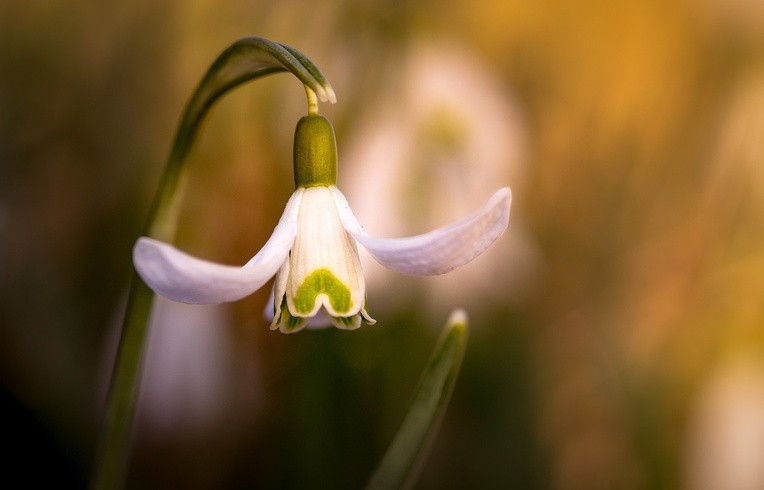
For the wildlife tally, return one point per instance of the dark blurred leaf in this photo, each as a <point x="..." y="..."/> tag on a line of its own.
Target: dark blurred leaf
<point x="403" y="458"/>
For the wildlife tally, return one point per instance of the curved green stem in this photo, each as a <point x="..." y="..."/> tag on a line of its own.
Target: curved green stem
<point x="312" y="101"/>
<point x="247" y="59"/>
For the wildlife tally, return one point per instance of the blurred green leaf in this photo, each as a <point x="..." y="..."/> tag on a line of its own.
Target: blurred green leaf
<point x="247" y="59"/>
<point x="400" y="464"/>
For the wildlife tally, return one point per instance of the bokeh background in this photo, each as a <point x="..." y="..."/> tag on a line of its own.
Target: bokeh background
<point x="617" y="329"/>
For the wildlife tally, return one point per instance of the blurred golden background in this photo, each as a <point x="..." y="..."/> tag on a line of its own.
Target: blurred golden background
<point x="617" y="329"/>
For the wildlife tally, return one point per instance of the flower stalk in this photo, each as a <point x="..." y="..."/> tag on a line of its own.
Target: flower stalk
<point x="312" y="101"/>
<point x="245" y="60"/>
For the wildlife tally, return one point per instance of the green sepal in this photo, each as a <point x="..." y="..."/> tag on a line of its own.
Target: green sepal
<point x="315" y="152"/>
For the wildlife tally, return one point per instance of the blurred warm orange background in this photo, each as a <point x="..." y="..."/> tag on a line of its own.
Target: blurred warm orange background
<point x="617" y="334"/>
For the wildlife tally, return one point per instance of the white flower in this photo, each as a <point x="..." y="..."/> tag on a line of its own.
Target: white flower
<point x="313" y="250"/>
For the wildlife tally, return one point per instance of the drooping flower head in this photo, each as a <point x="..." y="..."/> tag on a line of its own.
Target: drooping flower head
<point x="313" y="249"/>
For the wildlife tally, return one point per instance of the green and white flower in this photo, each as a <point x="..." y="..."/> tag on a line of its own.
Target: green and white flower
<point x="313" y="251"/>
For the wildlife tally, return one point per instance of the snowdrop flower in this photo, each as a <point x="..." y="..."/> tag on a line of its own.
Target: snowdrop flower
<point x="313" y="251"/>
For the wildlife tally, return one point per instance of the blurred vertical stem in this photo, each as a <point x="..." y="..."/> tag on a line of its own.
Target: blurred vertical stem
<point x="400" y="464"/>
<point x="247" y="59"/>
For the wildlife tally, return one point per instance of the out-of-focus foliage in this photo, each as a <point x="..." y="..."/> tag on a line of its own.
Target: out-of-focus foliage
<point x="617" y="329"/>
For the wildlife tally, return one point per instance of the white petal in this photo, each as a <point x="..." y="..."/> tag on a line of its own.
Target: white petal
<point x="269" y="311"/>
<point x="273" y="307"/>
<point x="323" y="247"/>
<point x="438" y="251"/>
<point x="181" y="277"/>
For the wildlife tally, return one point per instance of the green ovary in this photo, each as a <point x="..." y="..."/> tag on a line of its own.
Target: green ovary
<point x="322" y="281"/>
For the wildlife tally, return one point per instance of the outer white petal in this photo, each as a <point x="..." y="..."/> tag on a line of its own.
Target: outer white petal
<point x="181" y="277"/>
<point x="438" y="251"/>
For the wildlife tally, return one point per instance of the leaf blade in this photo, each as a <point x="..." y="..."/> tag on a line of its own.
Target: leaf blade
<point x="400" y="464"/>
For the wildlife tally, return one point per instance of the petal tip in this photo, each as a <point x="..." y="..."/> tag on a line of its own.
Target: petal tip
<point x="503" y="195"/>
<point x="458" y="317"/>
<point x="326" y="94"/>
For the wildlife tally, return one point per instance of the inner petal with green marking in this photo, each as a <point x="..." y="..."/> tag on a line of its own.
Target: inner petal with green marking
<point x="324" y="268"/>
<point x="319" y="282"/>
